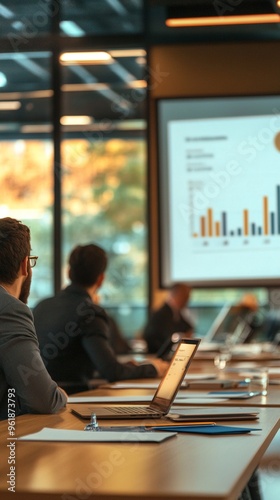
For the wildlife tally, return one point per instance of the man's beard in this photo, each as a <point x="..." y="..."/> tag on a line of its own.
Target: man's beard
<point x="25" y="289"/>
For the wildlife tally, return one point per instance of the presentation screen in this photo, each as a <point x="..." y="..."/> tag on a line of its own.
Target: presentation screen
<point x="219" y="190"/>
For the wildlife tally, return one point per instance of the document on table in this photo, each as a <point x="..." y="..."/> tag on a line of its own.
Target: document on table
<point x="154" y="385"/>
<point x="133" y="385"/>
<point x="65" y="435"/>
<point x="110" y="399"/>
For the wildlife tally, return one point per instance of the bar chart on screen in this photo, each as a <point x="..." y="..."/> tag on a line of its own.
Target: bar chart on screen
<point x="263" y="222"/>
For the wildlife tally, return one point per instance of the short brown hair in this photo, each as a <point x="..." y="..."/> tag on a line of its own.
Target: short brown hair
<point x="14" y="247"/>
<point x="86" y="263"/>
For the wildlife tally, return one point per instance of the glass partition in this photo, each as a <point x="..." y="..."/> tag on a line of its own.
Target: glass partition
<point x="104" y="199"/>
<point x="26" y="155"/>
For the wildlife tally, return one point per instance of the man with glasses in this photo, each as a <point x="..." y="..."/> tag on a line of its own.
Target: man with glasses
<point x="25" y="384"/>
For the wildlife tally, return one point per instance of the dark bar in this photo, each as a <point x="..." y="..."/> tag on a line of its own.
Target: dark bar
<point x="278" y="209"/>
<point x="260" y="230"/>
<point x="239" y="231"/>
<point x="272" y="222"/>
<point x="231" y="233"/>
<point x="224" y="224"/>
<point x="253" y="228"/>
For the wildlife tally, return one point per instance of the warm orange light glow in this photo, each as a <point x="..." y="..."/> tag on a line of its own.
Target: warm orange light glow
<point x="213" y="21"/>
<point x="128" y="53"/>
<point x="137" y="84"/>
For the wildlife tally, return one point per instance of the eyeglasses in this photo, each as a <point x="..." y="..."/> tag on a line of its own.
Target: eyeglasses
<point x="32" y="260"/>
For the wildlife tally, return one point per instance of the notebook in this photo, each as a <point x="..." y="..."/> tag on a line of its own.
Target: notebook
<point x="164" y="396"/>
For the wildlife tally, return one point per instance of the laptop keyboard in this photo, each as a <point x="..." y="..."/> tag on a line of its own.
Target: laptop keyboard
<point x="131" y="410"/>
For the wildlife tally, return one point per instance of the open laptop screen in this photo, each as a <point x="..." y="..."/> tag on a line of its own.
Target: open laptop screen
<point x="174" y="376"/>
<point x="230" y="321"/>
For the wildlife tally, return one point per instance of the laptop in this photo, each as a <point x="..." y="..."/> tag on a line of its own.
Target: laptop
<point x="164" y="395"/>
<point x="231" y="321"/>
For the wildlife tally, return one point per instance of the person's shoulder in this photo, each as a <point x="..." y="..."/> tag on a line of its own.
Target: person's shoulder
<point x="43" y="302"/>
<point x="6" y="298"/>
<point x="163" y="309"/>
<point x="98" y="310"/>
<point x="47" y="302"/>
<point x="16" y="319"/>
<point x="8" y="301"/>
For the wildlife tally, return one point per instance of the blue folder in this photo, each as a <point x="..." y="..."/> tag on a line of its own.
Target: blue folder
<point x="205" y="429"/>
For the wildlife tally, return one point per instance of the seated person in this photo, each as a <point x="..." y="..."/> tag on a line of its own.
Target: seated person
<point x="248" y="308"/>
<point x="23" y="376"/>
<point x="74" y="332"/>
<point x="168" y="319"/>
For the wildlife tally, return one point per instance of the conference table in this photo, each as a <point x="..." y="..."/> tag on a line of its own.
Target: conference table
<point x="186" y="466"/>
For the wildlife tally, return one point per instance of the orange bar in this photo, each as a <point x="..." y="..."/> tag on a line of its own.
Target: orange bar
<point x="265" y="215"/>
<point x="202" y="226"/>
<point x="246" y="222"/>
<point x="195" y="235"/>
<point x="210" y="221"/>
<point x="217" y="228"/>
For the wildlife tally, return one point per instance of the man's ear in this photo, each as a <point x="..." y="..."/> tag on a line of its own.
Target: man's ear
<point x="100" y="279"/>
<point x="24" y="267"/>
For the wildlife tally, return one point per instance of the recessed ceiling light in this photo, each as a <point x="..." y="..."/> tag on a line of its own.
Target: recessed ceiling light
<point x="222" y="20"/>
<point x="99" y="57"/>
<point x="36" y="129"/>
<point x="79" y="87"/>
<point x="9" y="105"/>
<point x="137" y="84"/>
<point x="128" y="53"/>
<point x="76" y="120"/>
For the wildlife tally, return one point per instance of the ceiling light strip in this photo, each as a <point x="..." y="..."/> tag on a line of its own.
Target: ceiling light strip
<point x="222" y="20"/>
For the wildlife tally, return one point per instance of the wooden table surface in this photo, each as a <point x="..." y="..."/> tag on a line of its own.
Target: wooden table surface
<point x="189" y="467"/>
<point x="272" y="399"/>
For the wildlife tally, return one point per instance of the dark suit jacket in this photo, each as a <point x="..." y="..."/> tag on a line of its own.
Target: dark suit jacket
<point x="161" y="325"/>
<point x="22" y="372"/>
<point x="74" y="338"/>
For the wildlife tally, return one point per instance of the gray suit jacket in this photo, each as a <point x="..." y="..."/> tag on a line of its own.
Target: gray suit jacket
<point x="23" y="375"/>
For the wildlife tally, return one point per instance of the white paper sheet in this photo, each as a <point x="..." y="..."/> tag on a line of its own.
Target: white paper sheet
<point x="48" y="434"/>
<point x="274" y="370"/>
<point x="199" y="401"/>
<point x="110" y="399"/>
<point x="181" y="398"/>
<point x="134" y="385"/>
<point x="154" y="385"/>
